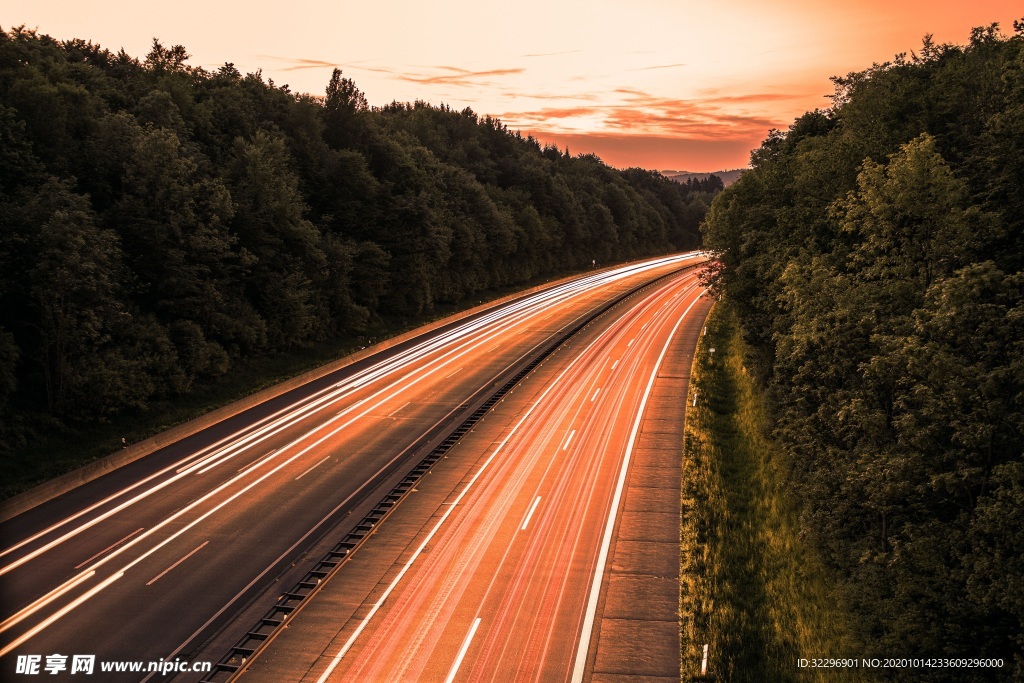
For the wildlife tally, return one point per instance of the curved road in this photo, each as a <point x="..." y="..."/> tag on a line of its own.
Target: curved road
<point x="507" y="576"/>
<point x="154" y="559"/>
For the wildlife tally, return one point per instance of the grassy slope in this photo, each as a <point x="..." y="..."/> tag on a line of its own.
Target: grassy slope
<point x="751" y="587"/>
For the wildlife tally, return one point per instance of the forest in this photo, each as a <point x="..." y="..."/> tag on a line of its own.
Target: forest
<point x="161" y="224"/>
<point x="875" y="256"/>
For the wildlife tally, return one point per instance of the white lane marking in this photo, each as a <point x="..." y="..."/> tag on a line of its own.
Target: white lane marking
<point x="321" y="462"/>
<point x="392" y="413"/>
<point x="530" y="514"/>
<point x="161" y="574"/>
<point x="88" y="595"/>
<point x="595" y="587"/>
<point x="430" y="536"/>
<point x="256" y="580"/>
<point x="109" y="547"/>
<point x="45" y="600"/>
<point x="462" y="651"/>
<point x="598" y="391"/>
<point x="525" y="308"/>
<point x="454" y="373"/>
<point x="569" y="440"/>
<point x="16" y="643"/>
<point x="251" y="485"/>
<point x="457" y="353"/>
<point x="630" y="342"/>
<point x="216" y="508"/>
<point x="615" y="364"/>
<point x="258" y="460"/>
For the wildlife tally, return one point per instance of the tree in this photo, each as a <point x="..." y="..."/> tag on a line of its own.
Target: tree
<point x="271" y="226"/>
<point x="343" y="107"/>
<point x="75" y="290"/>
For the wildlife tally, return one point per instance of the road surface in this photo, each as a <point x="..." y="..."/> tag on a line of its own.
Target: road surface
<point x="150" y="562"/>
<point x="520" y="558"/>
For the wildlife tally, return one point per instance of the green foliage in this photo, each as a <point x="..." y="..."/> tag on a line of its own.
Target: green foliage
<point x="161" y="225"/>
<point x="875" y="254"/>
<point x="753" y="588"/>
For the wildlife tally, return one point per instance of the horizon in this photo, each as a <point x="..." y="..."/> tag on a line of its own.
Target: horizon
<point x="660" y="86"/>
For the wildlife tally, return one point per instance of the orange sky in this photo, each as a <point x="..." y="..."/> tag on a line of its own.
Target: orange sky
<point x="665" y="84"/>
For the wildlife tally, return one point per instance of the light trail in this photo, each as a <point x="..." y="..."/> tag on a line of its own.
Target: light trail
<point x="433" y="356"/>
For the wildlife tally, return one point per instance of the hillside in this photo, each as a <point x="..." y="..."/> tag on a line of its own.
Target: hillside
<point x="165" y="224"/>
<point x="875" y="254"/>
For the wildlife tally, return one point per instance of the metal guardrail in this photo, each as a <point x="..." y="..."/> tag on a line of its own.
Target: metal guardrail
<point x="262" y="633"/>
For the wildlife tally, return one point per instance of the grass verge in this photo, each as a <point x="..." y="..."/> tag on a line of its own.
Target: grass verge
<point x="751" y="588"/>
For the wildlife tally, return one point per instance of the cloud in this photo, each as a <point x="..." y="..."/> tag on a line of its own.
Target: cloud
<point x="299" y="63"/>
<point x="296" y="65"/>
<point x="457" y="76"/>
<point x="586" y="97"/>
<point x="660" y="66"/>
<point x="636" y="112"/>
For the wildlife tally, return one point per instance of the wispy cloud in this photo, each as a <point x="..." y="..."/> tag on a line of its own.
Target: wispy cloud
<point x="457" y="76"/>
<point x="309" y="64"/>
<point x="299" y="63"/>
<point x="660" y="66"/>
<point x="637" y="112"/>
<point x="583" y="97"/>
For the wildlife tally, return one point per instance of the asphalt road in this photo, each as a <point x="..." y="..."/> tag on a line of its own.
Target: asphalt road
<point x="499" y="569"/>
<point x="153" y="560"/>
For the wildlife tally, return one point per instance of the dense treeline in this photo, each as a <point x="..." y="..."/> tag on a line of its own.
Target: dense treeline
<point x="875" y="252"/>
<point x="161" y="222"/>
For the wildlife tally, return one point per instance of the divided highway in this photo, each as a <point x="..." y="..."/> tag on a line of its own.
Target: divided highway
<point x="153" y="560"/>
<point x="499" y="569"/>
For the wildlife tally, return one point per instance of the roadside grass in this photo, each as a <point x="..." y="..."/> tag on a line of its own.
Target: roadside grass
<point x="54" y="449"/>
<point x="752" y="588"/>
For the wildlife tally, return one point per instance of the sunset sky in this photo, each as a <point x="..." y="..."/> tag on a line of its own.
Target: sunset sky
<point x="663" y="84"/>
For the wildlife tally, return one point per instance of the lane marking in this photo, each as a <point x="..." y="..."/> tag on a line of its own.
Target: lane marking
<point x="392" y="413"/>
<point x="530" y="514"/>
<point x="630" y="342"/>
<point x="595" y="394"/>
<point x="444" y="517"/>
<point x="325" y="459"/>
<point x="16" y="643"/>
<point x="455" y="373"/>
<point x="615" y="364"/>
<point x="462" y="651"/>
<point x="45" y="600"/>
<point x="528" y="307"/>
<point x="569" y="440"/>
<point x="256" y="580"/>
<point x="308" y="407"/>
<point x="257" y="461"/>
<point x="160" y="575"/>
<point x="586" y="633"/>
<point x="109" y="547"/>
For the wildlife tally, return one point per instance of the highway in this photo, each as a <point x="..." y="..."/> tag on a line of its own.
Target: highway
<point x="505" y="576"/>
<point x="155" y="559"/>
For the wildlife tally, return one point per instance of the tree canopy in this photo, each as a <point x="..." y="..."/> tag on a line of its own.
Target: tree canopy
<point x="875" y="253"/>
<point x="160" y="222"/>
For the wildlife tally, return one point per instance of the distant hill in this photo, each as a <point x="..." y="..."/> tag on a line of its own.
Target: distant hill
<point x="728" y="177"/>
